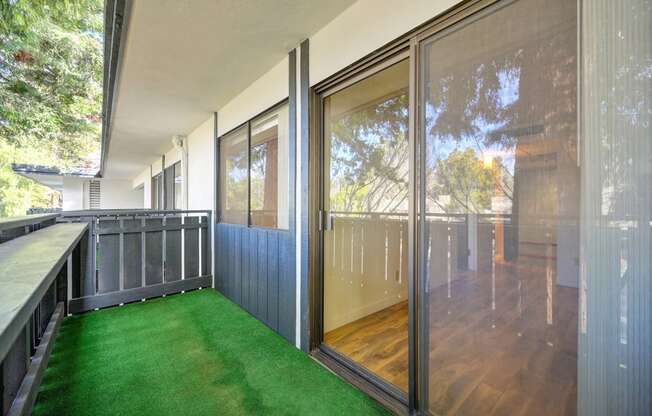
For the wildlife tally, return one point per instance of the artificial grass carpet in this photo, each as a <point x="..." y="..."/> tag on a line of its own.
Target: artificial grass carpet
<point x="190" y="354"/>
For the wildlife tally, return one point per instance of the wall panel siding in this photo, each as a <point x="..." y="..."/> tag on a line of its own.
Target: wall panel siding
<point x="254" y="269"/>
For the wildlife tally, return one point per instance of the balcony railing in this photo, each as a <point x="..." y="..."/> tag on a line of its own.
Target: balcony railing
<point x="57" y="264"/>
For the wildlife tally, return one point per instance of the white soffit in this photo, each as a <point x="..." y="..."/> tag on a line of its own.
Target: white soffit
<point x="184" y="59"/>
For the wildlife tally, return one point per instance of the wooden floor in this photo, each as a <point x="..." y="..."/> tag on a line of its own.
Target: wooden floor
<point x="511" y="353"/>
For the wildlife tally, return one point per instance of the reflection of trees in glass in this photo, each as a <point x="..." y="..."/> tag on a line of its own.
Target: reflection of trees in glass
<point x="258" y="163"/>
<point x="369" y="158"/>
<point x="236" y="181"/>
<point x="467" y="182"/>
<point x="507" y="109"/>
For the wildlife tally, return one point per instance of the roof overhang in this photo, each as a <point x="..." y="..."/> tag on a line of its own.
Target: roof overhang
<point x="46" y="175"/>
<point x="173" y="63"/>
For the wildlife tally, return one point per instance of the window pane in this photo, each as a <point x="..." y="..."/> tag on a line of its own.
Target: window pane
<point x="502" y="208"/>
<point x="178" y="185"/>
<point x="270" y="170"/>
<point x="155" y="192"/>
<point x="233" y="175"/>
<point x="365" y="245"/>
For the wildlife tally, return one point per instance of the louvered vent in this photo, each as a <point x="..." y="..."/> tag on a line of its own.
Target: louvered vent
<point x="94" y="195"/>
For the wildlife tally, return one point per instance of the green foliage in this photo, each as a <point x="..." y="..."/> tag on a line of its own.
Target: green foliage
<point x="369" y="157"/>
<point x="50" y="89"/>
<point x="465" y="180"/>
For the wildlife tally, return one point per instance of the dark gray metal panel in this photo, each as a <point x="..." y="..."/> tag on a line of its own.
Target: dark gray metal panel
<point x="253" y="273"/>
<point x="237" y="258"/>
<point x="272" y="280"/>
<point x="26" y="395"/>
<point x="47" y="305"/>
<point x="133" y="256"/>
<point x="219" y="257"/>
<point x="108" y="278"/>
<point x="231" y="262"/>
<point x="89" y="282"/>
<point x="191" y="249"/>
<point x="262" y="275"/>
<point x="287" y="291"/>
<point x="172" y="251"/>
<point x="14" y="368"/>
<point x="244" y="266"/>
<point x="205" y="246"/>
<point x="153" y="254"/>
<point x="133" y="295"/>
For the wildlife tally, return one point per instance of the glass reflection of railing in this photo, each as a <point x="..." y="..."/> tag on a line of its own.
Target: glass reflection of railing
<point x="524" y="220"/>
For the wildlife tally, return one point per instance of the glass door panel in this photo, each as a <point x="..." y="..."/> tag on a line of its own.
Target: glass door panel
<point x="365" y="241"/>
<point x="502" y="187"/>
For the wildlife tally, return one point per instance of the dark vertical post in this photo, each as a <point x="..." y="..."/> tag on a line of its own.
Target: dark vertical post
<point x="304" y="136"/>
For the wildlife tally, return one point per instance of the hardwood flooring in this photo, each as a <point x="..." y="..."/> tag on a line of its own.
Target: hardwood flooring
<point x="510" y="353"/>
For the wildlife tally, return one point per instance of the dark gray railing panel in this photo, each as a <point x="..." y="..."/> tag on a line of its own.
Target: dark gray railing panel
<point x="132" y="255"/>
<point x="173" y="261"/>
<point x="153" y="252"/>
<point x="143" y="249"/>
<point x="191" y="257"/>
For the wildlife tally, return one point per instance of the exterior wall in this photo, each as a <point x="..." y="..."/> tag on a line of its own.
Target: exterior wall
<point x="355" y="33"/>
<point x="144" y="181"/>
<point x="73" y="193"/>
<point x="114" y="194"/>
<point x="119" y="194"/>
<point x="201" y="163"/>
<point x="263" y="93"/>
<point x="254" y="267"/>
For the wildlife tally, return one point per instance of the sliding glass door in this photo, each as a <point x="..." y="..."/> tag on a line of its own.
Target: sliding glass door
<point x="365" y="182"/>
<point x="506" y="270"/>
<point x="501" y="205"/>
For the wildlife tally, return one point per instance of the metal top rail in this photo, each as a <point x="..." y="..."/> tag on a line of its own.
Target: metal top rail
<point x="25" y="220"/>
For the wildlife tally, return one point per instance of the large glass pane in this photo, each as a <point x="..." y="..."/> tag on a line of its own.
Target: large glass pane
<point x="233" y="177"/>
<point x="270" y="170"/>
<point x="365" y="244"/>
<point x="502" y="183"/>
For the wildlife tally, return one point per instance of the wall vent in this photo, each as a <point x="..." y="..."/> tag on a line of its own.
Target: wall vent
<point x="94" y="194"/>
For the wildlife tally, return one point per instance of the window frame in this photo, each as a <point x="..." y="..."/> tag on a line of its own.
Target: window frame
<point x="247" y="125"/>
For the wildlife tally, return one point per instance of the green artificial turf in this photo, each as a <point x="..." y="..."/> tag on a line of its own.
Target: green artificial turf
<point x="189" y="354"/>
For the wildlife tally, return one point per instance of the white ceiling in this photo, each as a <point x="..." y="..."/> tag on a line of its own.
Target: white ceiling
<point x="184" y="59"/>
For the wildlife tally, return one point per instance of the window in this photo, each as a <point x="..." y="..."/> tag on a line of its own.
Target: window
<point x="234" y="159"/>
<point x="157" y="191"/>
<point x="254" y="172"/>
<point x="269" y="169"/>
<point x="178" y="186"/>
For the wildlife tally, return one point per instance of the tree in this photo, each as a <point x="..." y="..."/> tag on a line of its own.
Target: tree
<point x="50" y="89"/>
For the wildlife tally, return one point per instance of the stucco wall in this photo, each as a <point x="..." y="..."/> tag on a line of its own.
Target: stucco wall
<point x="201" y="155"/>
<point x="114" y="194"/>
<point x="364" y="27"/>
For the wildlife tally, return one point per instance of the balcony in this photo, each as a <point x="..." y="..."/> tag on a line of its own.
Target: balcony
<point x="113" y="312"/>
